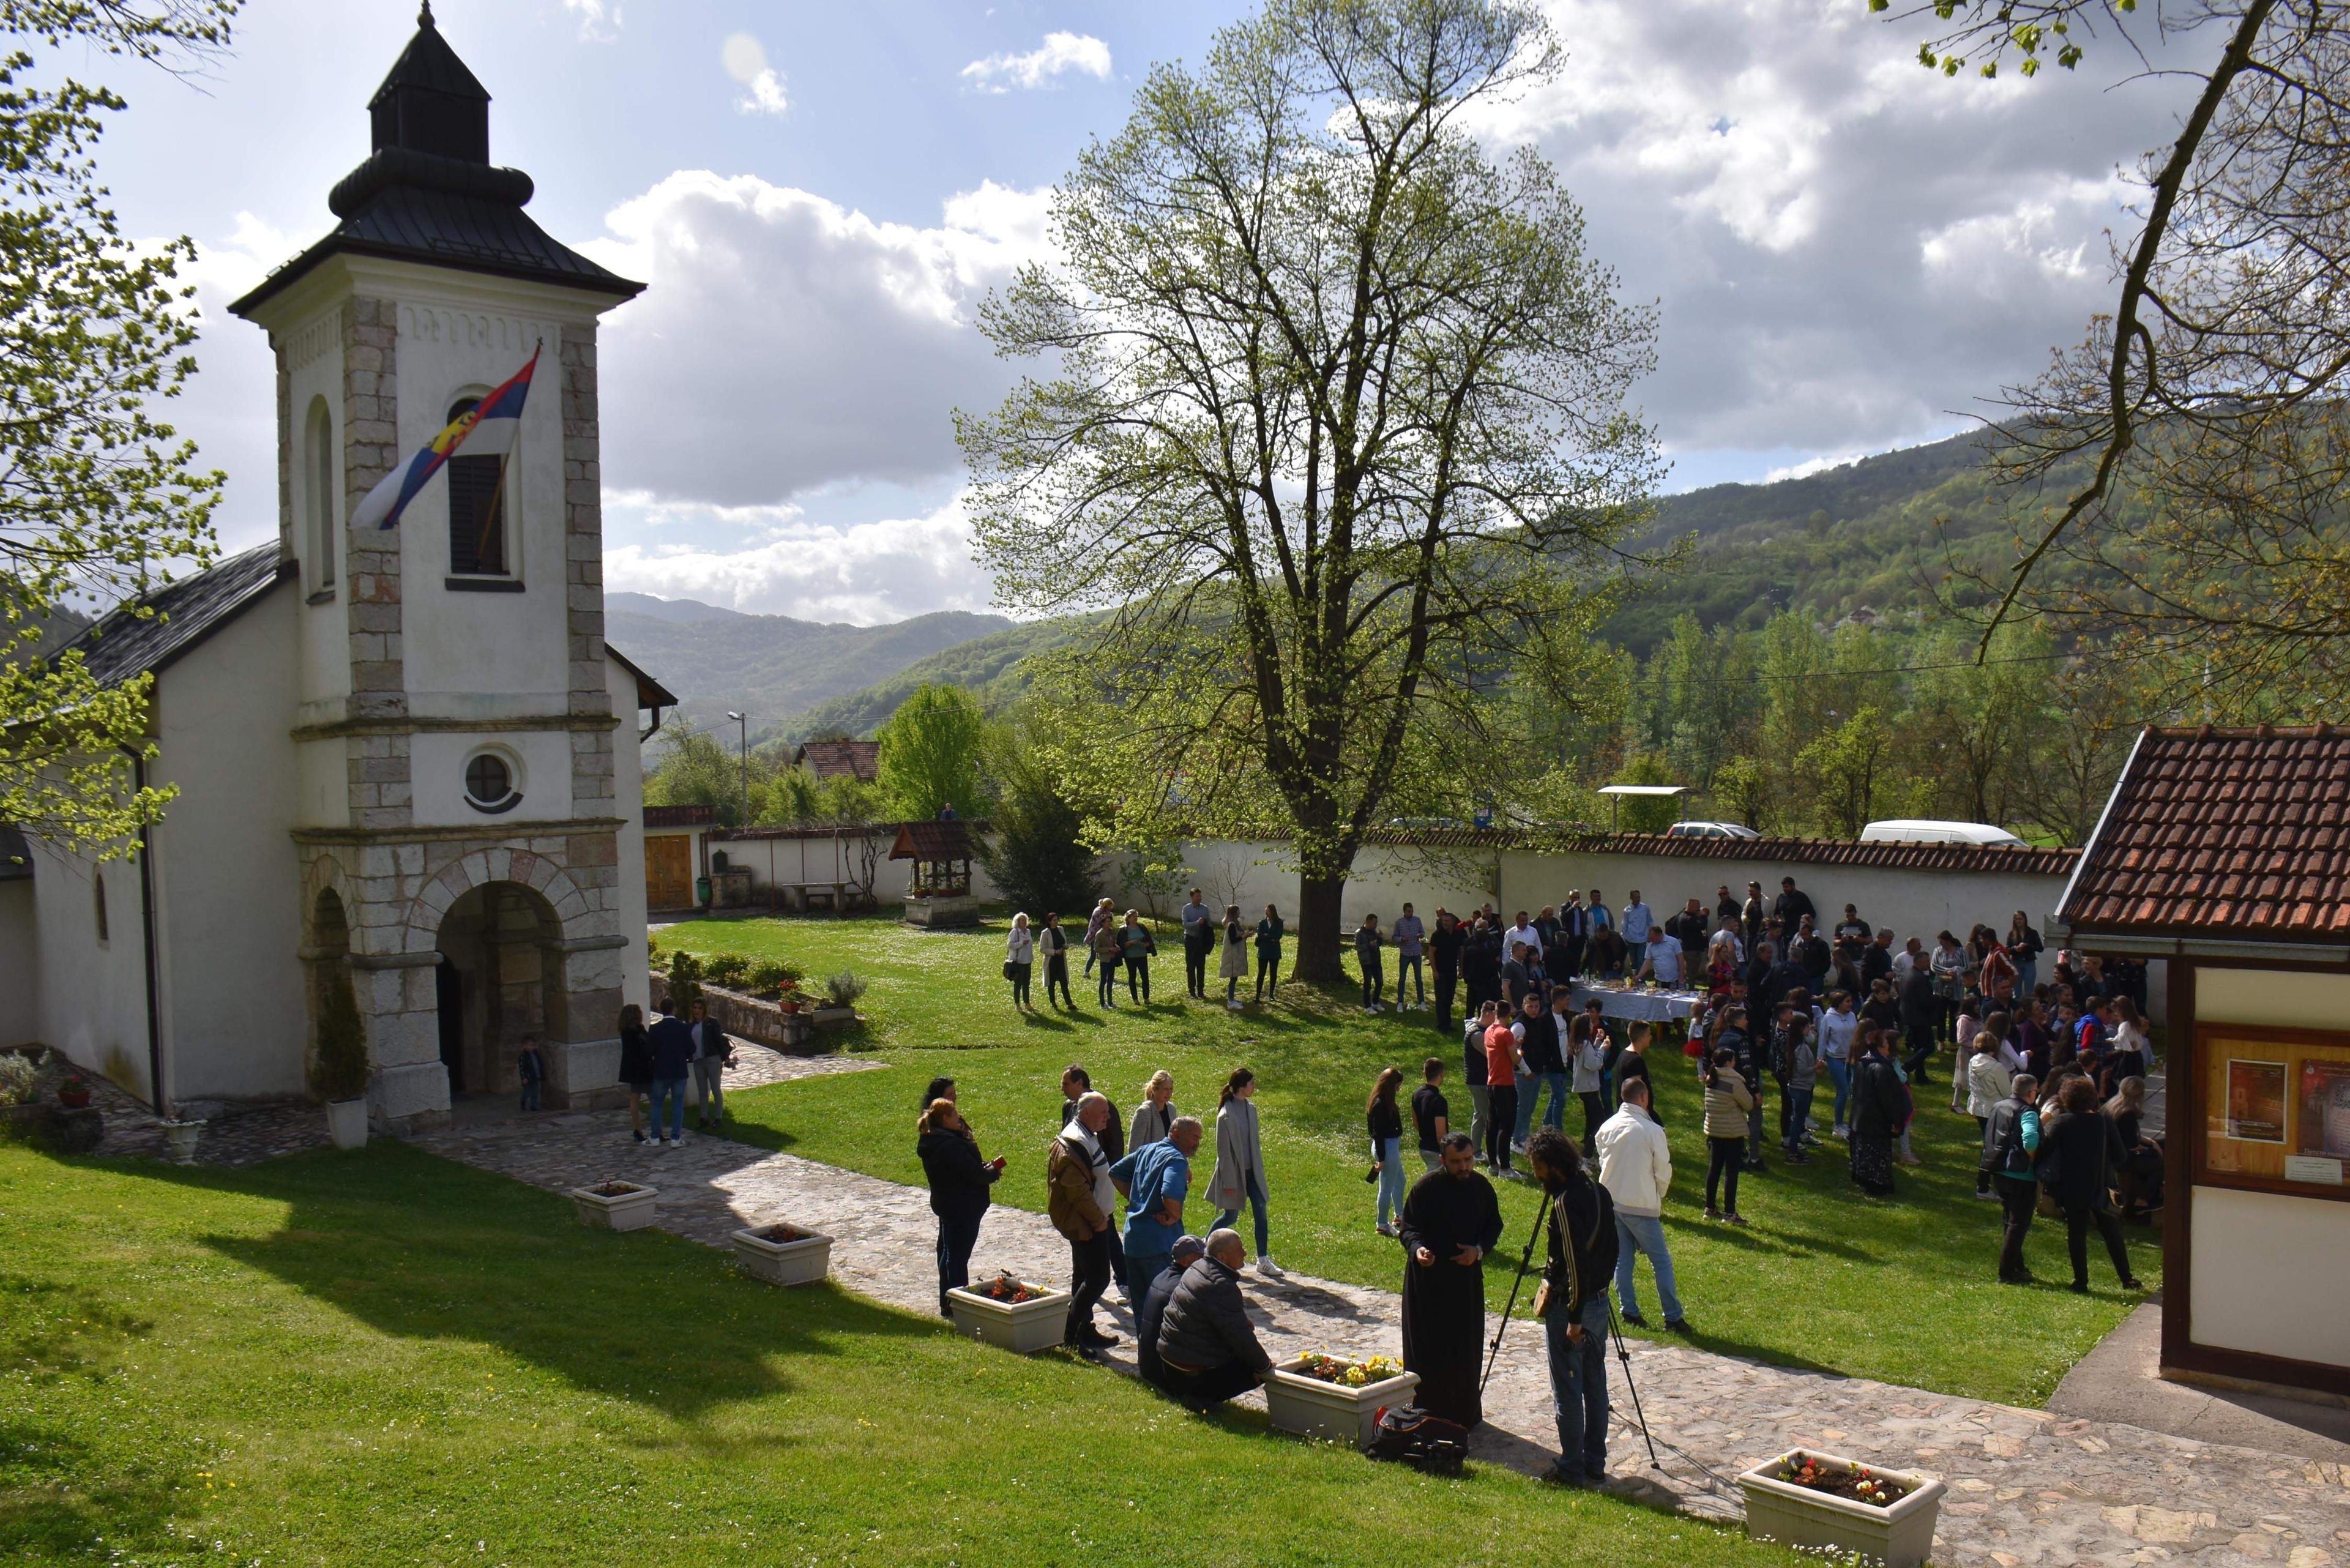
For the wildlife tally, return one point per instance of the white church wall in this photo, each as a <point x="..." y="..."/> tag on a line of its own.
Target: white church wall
<point x="459" y="335"/>
<point x="628" y="804"/>
<point x="314" y="375"/>
<point x="228" y="882"/>
<point x="92" y="996"/>
<point x="20" y="967"/>
<point x="539" y="761"/>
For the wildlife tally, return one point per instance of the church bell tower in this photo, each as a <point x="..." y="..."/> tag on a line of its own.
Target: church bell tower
<point x="457" y="832"/>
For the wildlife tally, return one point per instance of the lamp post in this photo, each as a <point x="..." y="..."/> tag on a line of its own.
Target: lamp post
<point x="743" y="726"/>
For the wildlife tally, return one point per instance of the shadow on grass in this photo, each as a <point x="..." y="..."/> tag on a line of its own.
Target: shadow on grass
<point x="425" y="1248"/>
<point x="46" y="1515"/>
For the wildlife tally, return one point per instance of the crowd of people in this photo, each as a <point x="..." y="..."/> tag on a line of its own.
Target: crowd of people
<point x="1781" y="1011"/>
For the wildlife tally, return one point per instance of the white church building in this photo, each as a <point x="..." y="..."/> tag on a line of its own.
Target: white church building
<point x="404" y="752"/>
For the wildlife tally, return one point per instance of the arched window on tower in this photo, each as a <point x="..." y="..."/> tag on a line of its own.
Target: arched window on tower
<point x="477" y="520"/>
<point x="318" y="469"/>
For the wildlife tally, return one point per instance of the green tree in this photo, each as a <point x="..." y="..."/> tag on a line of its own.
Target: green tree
<point x="1036" y="857"/>
<point x="97" y="495"/>
<point x="1846" y="771"/>
<point x="1646" y="813"/>
<point x="698" y="768"/>
<point x="1334" y="427"/>
<point x="932" y="751"/>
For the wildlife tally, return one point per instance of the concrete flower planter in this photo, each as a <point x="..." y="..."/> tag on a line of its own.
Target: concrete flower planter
<point x="347" y="1120"/>
<point x="1901" y="1536"/>
<point x="1331" y="1411"/>
<point x="615" y="1205"/>
<point x="802" y="1258"/>
<point x="1026" y="1327"/>
<point x="831" y="1017"/>
<point x="180" y="1139"/>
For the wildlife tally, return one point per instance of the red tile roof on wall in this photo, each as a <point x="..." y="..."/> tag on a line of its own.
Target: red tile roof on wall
<point x="2241" y="834"/>
<point x="840" y="759"/>
<point x="679" y="815"/>
<point x="949" y="840"/>
<point x="1788" y="851"/>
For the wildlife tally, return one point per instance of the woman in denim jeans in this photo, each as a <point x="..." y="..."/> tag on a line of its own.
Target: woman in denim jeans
<point x="1386" y="1123"/>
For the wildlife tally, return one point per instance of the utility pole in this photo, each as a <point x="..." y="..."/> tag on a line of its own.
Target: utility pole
<point x="742" y="727"/>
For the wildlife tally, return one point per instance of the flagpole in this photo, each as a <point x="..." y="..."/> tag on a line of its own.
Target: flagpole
<point x="506" y="460"/>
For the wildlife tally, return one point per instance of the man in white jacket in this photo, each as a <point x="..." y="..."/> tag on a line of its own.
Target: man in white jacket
<point x="1636" y="1169"/>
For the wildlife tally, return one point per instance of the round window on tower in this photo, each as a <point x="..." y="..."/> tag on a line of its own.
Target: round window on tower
<point x="489" y="783"/>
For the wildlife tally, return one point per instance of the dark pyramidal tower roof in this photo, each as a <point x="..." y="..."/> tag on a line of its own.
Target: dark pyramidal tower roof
<point x="428" y="192"/>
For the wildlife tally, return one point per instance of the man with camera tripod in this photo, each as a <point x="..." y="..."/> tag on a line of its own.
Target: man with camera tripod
<point x="1573" y="1306"/>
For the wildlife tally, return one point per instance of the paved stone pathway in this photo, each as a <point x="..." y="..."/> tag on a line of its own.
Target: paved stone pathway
<point x="2027" y="1487"/>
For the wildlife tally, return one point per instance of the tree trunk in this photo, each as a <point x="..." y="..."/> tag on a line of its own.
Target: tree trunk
<point x="1319" y="942"/>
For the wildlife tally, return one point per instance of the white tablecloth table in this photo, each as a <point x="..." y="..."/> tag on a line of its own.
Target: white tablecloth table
<point x="1629" y="1003"/>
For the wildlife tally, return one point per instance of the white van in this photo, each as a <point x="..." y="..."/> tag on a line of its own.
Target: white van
<point x="1919" y="830"/>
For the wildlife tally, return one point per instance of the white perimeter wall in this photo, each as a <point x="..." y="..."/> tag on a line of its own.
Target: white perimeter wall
<point x="788" y="862"/>
<point x="2268" y="1273"/>
<point x="228" y="880"/>
<point x="1913" y="903"/>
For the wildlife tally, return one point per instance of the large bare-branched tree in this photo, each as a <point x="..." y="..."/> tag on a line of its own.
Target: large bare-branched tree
<point x="1332" y="427"/>
<point x="2193" y="450"/>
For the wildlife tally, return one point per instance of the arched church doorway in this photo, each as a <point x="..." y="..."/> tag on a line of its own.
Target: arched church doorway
<point x="495" y="982"/>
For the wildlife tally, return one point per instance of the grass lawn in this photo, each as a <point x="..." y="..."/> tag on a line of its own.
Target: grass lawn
<point x="1902" y="1291"/>
<point x="383" y="1357"/>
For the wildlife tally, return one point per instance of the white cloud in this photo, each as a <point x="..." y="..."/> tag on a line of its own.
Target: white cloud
<point x="600" y="20"/>
<point x="1849" y="251"/>
<point x="1813" y="465"/>
<point x="864" y="573"/>
<point x="1061" y="53"/>
<point x="745" y="59"/>
<point x="230" y="406"/>
<point x="786" y="342"/>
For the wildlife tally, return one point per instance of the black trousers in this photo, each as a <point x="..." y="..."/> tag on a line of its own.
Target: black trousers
<point x="1500" y="1123"/>
<point x="1201" y="1390"/>
<point x="2017" y="1200"/>
<point x="1595" y="1111"/>
<point x="1723" y="1157"/>
<point x="2078" y="1218"/>
<point x="1921" y="1051"/>
<point x="1448" y="981"/>
<point x="1106" y="983"/>
<point x="1375" y="983"/>
<point x="1020" y="973"/>
<point x="957" y="1237"/>
<point x="1137" y="972"/>
<point x="1982" y="1173"/>
<point x="1268" y="972"/>
<point x="1088" y="1278"/>
<point x="1056" y="973"/>
<point x="1195" y="968"/>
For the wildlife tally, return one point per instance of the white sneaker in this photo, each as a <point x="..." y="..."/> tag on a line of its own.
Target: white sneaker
<point x="1235" y="1004"/>
<point x="1268" y="1268"/>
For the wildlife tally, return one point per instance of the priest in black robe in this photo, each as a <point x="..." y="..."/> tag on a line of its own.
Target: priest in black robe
<point x="1451" y="1220"/>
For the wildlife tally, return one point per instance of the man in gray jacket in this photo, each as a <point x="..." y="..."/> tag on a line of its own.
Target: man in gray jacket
<point x="1206" y="1346"/>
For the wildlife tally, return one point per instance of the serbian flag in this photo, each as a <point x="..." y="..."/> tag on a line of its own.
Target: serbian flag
<point x="381" y="507"/>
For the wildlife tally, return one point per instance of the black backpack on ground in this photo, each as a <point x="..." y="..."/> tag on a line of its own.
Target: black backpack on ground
<point x="1428" y="1444"/>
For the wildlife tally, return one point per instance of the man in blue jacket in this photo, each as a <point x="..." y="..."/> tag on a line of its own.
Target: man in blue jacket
<point x="672" y="1043"/>
<point x="1155" y="1179"/>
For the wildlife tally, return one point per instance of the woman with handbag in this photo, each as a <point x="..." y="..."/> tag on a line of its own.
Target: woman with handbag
<point x="2079" y="1154"/>
<point x="959" y="1181"/>
<point x="1020" y="961"/>
<point x="1231" y="964"/>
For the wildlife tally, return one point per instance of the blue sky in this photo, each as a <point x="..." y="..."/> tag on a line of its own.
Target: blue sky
<point x="1849" y="251"/>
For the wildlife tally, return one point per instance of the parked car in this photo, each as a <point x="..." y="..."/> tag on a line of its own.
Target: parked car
<point x="1710" y="830"/>
<point x="1920" y="830"/>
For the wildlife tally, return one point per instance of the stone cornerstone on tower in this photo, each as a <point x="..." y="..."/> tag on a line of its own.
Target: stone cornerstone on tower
<point x="406" y="758"/>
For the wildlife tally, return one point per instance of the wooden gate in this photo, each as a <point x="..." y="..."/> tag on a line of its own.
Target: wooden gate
<point x="669" y="871"/>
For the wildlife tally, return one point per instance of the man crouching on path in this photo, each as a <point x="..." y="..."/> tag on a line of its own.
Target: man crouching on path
<point x="1207" y="1346"/>
<point x="1573" y="1306"/>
